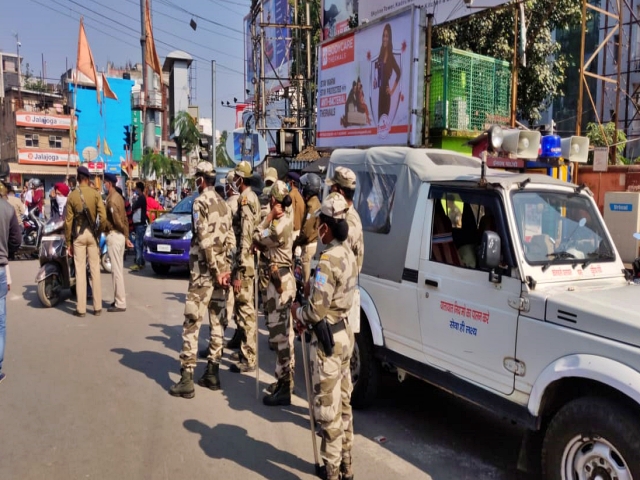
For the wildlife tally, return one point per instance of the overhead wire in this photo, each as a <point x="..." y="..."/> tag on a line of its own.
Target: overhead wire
<point x="195" y="15"/>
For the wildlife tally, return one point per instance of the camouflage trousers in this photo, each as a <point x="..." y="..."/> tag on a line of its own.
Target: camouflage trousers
<point x="200" y="298"/>
<point x="332" y="387"/>
<point x="280" y="327"/>
<point x="245" y="313"/>
<point x="308" y="251"/>
<point x="228" y="311"/>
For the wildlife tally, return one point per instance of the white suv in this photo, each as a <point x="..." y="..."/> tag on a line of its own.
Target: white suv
<point x="504" y="289"/>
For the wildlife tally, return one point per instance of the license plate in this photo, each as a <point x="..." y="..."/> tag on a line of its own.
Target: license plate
<point x="164" y="248"/>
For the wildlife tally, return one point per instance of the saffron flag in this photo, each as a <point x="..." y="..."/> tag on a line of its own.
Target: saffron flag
<point x="106" y="88"/>
<point x="152" y="55"/>
<point x="106" y="149"/>
<point x="85" y="63"/>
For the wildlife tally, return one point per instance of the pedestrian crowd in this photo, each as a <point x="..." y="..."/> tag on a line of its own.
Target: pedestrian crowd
<point x="250" y="251"/>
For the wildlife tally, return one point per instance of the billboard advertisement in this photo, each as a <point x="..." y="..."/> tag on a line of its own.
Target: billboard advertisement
<point x="251" y="148"/>
<point x="443" y="10"/>
<point x="368" y="85"/>
<point x="335" y="16"/>
<point x="277" y="46"/>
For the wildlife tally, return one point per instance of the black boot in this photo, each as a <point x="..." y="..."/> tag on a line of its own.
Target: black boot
<point x="282" y="395"/>
<point x="275" y="385"/>
<point x="211" y="377"/>
<point x="236" y="340"/>
<point x="184" y="388"/>
<point x="327" y="472"/>
<point x="346" y="471"/>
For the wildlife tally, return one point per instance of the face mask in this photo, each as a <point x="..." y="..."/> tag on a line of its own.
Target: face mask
<point x="105" y="190"/>
<point x="199" y="184"/>
<point x="321" y="234"/>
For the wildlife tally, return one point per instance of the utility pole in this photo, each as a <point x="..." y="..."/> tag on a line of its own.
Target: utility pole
<point x="213" y="113"/>
<point x="148" y="122"/>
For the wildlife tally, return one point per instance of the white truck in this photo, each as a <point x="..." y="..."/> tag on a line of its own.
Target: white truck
<point x="504" y="289"/>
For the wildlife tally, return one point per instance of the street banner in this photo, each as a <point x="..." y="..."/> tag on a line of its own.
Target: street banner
<point x="335" y="16"/>
<point x="250" y="147"/>
<point x="46" y="157"/>
<point x="31" y="119"/>
<point x="368" y="84"/>
<point x="443" y="11"/>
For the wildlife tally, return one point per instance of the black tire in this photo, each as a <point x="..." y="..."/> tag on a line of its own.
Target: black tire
<point x="605" y="430"/>
<point x="47" y="292"/>
<point x="365" y="384"/>
<point x="160" y="269"/>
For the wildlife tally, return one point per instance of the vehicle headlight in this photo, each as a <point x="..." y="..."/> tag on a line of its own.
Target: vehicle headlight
<point x="148" y="232"/>
<point x="188" y="235"/>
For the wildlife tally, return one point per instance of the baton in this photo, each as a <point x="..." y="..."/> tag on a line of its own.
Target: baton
<point x="255" y="305"/>
<point x="312" y="418"/>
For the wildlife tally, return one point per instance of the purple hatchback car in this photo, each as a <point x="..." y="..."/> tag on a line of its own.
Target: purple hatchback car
<point x="168" y="238"/>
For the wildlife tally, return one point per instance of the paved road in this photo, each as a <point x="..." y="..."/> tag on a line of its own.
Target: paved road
<point x="87" y="398"/>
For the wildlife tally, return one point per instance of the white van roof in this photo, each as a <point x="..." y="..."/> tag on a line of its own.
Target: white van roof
<point x="431" y="165"/>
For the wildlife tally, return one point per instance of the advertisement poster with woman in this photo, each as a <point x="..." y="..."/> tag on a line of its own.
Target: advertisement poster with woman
<point x="364" y="83"/>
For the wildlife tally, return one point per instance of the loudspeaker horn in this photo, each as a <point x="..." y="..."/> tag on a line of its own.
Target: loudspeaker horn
<point x="575" y="149"/>
<point x="521" y="143"/>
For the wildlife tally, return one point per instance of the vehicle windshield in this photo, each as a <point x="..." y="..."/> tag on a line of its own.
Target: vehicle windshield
<point x="185" y="205"/>
<point x="560" y="228"/>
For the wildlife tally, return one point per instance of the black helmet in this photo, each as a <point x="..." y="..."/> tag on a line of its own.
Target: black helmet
<point x="311" y="184"/>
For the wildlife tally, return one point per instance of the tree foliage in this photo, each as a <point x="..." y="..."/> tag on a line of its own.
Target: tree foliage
<point x="492" y="33"/>
<point x="160" y="165"/>
<point x="602" y="136"/>
<point x="187" y="134"/>
<point x="222" y="158"/>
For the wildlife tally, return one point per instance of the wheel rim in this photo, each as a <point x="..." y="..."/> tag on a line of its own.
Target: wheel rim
<point x="355" y="364"/>
<point x="107" y="261"/>
<point x="586" y="458"/>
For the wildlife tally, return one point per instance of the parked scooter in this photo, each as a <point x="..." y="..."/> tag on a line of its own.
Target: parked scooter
<point x="105" y="260"/>
<point x="32" y="228"/>
<point x="56" y="272"/>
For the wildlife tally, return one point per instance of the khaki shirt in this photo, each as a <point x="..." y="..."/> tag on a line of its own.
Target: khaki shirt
<point x="355" y="240"/>
<point x="95" y="205"/>
<point x="17" y="205"/>
<point x="298" y="208"/>
<point x="245" y="221"/>
<point x="116" y="214"/>
<point x="332" y="288"/>
<point x="211" y="223"/>
<point x="309" y="231"/>
<point x="277" y="237"/>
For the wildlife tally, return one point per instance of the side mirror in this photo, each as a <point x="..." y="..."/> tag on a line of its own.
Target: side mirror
<point x="490" y="249"/>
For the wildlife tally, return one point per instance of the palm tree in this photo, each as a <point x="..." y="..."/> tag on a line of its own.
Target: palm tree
<point x="222" y="157"/>
<point x="187" y="135"/>
<point x="160" y="165"/>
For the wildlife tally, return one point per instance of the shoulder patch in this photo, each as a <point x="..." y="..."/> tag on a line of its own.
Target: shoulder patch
<point x="324" y="256"/>
<point x="244" y="201"/>
<point x="321" y="280"/>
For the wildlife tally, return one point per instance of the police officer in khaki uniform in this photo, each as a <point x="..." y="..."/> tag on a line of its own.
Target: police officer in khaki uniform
<point x="326" y="313"/>
<point x="244" y="224"/>
<point x="275" y="235"/>
<point x="210" y="274"/>
<point x="79" y="229"/>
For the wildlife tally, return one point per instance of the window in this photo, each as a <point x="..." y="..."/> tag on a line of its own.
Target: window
<point x="460" y="217"/>
<point x="31" y="140"/>
<point x="375" y="201"/>
<point x="55" y="142"/>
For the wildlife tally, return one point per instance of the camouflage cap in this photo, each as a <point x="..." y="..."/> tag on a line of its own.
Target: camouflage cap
<point x="343" y="177"/>
<point x="271" y="175"/>
<point x="334" y="206"/>
<point x="243" y="169"/>
<point x="228" y="178"/>
<point x="205" y="169"/>
<point x="279" y="190"/>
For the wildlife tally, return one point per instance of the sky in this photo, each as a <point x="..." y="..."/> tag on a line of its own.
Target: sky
<point x="49" y="28"/>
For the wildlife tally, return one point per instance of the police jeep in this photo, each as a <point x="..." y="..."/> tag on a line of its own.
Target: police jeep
<point x="505" y="289"/>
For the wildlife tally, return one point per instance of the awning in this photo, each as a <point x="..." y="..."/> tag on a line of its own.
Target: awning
<point x="41" y="169"/>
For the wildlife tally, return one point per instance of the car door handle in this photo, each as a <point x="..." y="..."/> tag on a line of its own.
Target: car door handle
<point x="431" y="283"/>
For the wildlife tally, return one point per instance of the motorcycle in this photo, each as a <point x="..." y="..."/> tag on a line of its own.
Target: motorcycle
<point x="32" y="228"/>
<point x="56" y="271"/>
<point x="105" y="260"/>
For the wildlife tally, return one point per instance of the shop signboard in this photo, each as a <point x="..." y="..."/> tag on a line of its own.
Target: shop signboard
<point x="46" y="157"/>
<point x="43" y="120"/>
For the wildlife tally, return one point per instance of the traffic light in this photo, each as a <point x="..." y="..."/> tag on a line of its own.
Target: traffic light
<point x="204" y="149"/>
<point x="127" y="137"/>
<point x="289" y="142"/>
<point x="134" y="134"/>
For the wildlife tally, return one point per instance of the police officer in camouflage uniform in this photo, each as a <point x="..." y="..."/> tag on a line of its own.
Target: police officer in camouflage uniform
<point x="308" y="238"/>
<point x="244" y="223"/>
<point x="275" y="235"/>
<point x="210" y="275"/>
<point x="326" y="313"/>
<point x="343" y="181"/>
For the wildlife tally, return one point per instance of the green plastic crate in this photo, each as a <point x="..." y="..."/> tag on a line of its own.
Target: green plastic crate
<point x="468" y="91"/>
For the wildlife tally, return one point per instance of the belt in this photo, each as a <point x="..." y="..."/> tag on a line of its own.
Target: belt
<point x="338" y="327"/>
